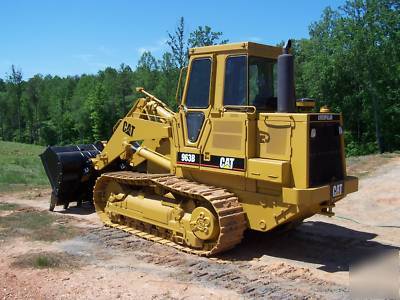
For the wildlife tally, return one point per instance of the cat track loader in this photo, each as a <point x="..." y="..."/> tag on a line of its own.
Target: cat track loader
<point x="240" y="153"/>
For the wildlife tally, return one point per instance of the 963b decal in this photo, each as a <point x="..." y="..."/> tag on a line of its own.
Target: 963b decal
<point x="215" y="161"/>
<point x="187" y="158"/>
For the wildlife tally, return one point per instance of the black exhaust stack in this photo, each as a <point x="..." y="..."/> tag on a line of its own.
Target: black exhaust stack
<point x="286" y="92"/>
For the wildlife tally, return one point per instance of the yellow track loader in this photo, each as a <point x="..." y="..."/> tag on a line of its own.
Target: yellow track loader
<point x="240" y="153"/>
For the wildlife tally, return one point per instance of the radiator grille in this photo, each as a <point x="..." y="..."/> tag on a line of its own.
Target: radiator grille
<point x="325" y="163"/>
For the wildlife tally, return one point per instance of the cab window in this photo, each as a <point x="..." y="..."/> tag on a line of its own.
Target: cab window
<point x="199" y="85"/>
<point x="262" y="83"/>
<point x="194" y="121"/>
<point x="235" y="87"/>
<point x="250" y="81"/>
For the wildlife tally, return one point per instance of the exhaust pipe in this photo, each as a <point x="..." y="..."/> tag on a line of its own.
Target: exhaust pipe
<point x="286" y="91"/>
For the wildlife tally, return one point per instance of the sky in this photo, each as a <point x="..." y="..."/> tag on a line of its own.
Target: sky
<point x="72" y="37"/>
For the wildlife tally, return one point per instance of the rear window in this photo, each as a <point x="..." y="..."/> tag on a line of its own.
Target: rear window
<point x="262" y="83"/>
<point x="250" y="81"/>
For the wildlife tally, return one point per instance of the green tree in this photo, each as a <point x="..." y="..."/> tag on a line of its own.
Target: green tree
<point x="3" y="114"/>
<point x="351" y="63"/>
<point x="15" y="92"/>
<point x="3" y="87"/>
<point x="178" y="44"/>
<point x="81" y="109"/>
<point x="201" y="36"/>
<point x="31" y="98"/>
<point x="96" y="101"/>
<point x="124" y="83"/>
<point x="168" y="79"/>
<point x="146" y="74"/>
<point x="204" y="36"/>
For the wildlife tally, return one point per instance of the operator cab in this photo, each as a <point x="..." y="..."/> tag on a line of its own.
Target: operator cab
<point x="233" y="76"/>
<point x="239" y="77"/>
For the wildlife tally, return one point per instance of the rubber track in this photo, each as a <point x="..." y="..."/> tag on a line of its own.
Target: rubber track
<point x="230" y="213"/>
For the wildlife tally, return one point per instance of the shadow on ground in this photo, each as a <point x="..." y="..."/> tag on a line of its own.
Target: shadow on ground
<point x="333" y="247"/>
<point x="87" y="208"/>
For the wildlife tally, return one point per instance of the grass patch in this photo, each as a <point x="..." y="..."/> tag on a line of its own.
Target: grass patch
<point x="35" y="225"/>
<point x="8" y="206"/>
<point x="20" y="167"/>
<point x="46" y="260"/>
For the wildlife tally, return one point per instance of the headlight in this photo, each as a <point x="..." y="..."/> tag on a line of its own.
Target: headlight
<point x="313" y="133"/>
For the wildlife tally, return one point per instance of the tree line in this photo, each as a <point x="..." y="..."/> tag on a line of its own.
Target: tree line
<point x="51" y="110"/>
<point x="350" y="62"/>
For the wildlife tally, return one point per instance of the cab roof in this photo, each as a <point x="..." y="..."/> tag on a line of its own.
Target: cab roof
<point x="239" y="48"/>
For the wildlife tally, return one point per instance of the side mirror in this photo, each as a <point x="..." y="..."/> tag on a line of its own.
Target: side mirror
<point x="178" y="94"/>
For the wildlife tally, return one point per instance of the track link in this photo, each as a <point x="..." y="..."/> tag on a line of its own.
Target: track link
<point x="231" y="218"/>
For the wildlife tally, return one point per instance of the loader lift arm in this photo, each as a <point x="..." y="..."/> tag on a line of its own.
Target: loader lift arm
<point x="149" y="117"/>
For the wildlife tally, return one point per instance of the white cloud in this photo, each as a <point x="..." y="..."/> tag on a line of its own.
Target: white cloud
<point x="158" y="46"/>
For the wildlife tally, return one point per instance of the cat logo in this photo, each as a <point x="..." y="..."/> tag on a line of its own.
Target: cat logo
<point x="128" y="128"/>
<point x="325" y="117"/>
<point x="226" y="163"/>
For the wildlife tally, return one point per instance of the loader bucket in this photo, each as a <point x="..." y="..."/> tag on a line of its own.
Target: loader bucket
<point x="70" y="172"/>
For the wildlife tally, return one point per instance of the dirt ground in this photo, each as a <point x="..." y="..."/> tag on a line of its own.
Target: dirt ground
<point x="84" y="260"/>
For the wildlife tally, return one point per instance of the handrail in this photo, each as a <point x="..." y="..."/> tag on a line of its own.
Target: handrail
<point x="240" y="108"/>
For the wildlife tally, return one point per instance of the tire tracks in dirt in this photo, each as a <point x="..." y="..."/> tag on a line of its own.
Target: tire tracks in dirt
<point x="247" y="279"/>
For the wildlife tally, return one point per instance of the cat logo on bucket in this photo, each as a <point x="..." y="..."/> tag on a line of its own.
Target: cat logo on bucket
<point x="226" y="162"/>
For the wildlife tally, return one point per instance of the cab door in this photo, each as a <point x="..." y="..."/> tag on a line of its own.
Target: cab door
<point x="226" y="148"/>
<point x="195" y="109"/>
